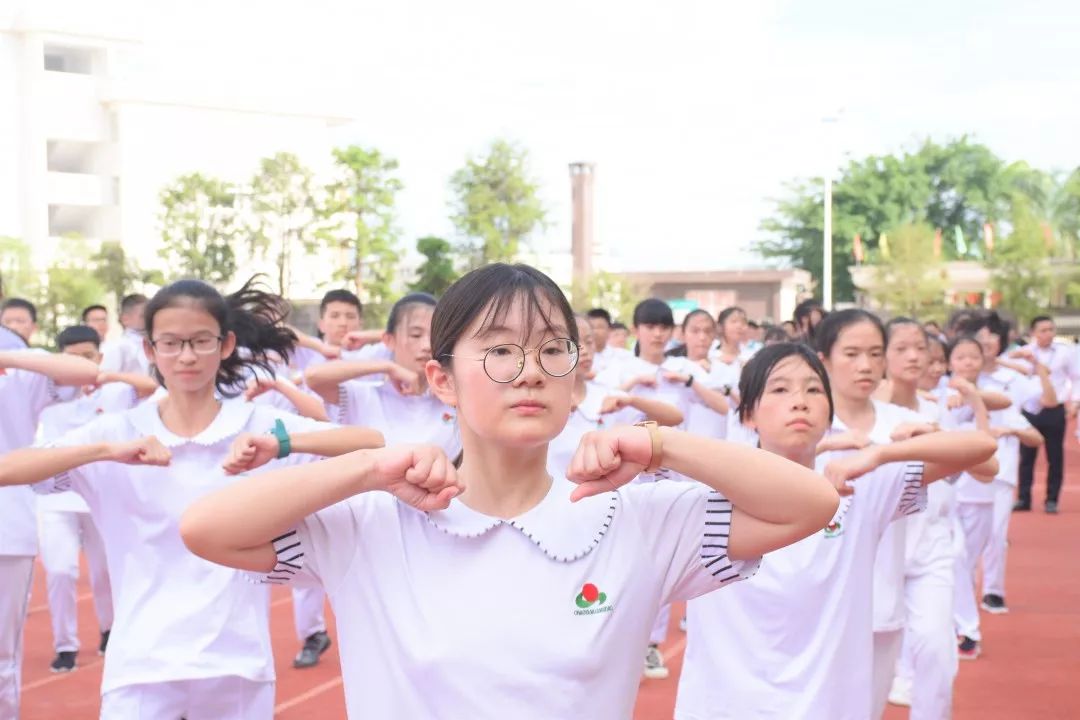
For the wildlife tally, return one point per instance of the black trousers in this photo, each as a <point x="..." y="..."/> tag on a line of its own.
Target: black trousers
<point x="1050" y="422"/>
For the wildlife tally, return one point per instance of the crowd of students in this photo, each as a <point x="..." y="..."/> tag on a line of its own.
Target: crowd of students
<point x="502" y="498"/>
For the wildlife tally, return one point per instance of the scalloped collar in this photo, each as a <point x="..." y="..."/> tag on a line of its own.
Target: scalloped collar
<point x="230" y="421"/>
<point x="562" y="530"/>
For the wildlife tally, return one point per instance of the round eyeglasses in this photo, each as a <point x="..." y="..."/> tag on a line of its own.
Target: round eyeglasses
<point x="169" y="346"/>
<point x="504" y="363"/>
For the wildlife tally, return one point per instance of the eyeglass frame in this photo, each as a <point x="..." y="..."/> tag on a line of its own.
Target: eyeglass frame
<point x="191" y="343"/>
<point x="524" y="356"/>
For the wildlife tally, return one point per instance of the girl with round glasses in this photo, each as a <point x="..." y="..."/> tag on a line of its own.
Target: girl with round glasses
<point x="190" y="638"/>
<point x="495" y="588"/>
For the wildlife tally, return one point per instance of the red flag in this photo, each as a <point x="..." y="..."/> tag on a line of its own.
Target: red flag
<point x="857" y="249"/>
<point x="988" y="237"/>
<point x="937" y="243"/>
<point x="1048" y="236"/>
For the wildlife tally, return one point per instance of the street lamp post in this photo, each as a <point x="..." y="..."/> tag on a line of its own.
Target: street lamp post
<point x="826" y="244"/>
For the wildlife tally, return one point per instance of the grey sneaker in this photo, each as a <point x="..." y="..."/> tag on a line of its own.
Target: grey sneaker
<point x="655" y="669"/>
<point x="315" y="645"/>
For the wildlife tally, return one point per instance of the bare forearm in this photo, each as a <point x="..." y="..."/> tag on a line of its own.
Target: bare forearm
<point x="713" y="399"/>
<point x="339" y="441"/>
<point x="947" y="452"/>
<point x="306" y="404"/>
<point x="663" y="413"/>
<point x="995" y="400"/>
<point x="245" y="516"/>
<point x="32" y="465"/>
<point x="144" y="385"/>
<point x="62" y="369"/>
<point x="324" y="379"/>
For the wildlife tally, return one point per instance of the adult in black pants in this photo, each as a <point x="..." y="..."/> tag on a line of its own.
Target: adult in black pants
<point x="1050" y="421"/>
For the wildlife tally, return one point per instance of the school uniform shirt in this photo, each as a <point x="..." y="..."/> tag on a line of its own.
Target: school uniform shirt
<point x="59" y="419"/>
<point x="795" y="641"/>
<point x="889" y="567"/>
<point x="541" y="616"/>
<point x="126" y="354"/>
<point x="23" y="396"/>
<point x="177" y="616"/>
<point x="703" y="420"/>
<point x="970" y="490"/>
<point x="586" y="418"/>
<point x="1060" y="359"/>
<point x="673" y="393"/>
<point x="609" y="359"/>
<point x="402" y="419"/>
<point x="1021" y="389"/>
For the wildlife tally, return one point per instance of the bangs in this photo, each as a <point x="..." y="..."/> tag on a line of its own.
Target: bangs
<point x="538" y="309"/>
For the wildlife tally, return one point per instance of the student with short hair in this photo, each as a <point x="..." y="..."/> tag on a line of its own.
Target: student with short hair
<point x="127" y="354"/>
<point x="19" y="316"/>
<point x="96" y="317"/>
<point x="496" y="587"/>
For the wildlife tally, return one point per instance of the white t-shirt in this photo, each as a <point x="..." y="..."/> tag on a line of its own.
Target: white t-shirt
<point x="889" y="566"/>
<point x="126" y="354"/>
<point x="970" y="490"/>
<point x="402" y="419"/>
<point x="542" y="616"/>
<point x="795" y="641"/>
<point x="585" y="418"/>
<point x="59" y="419"/>
<point x="23" y="395"/>
<point x="609" y="359"/>
<point x="178" y="617"/>
<point x="673" y="393"/>
<point x="934" y="536"/>
<point x="1021" y="389"/>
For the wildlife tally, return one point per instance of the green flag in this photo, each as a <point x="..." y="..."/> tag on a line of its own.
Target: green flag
<point x="961" y="246"/>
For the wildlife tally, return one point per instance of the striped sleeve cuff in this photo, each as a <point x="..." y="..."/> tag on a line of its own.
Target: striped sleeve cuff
<point x="714" y="544"/>
<point x="913" y="497"/>
<point x="290" y="560"/>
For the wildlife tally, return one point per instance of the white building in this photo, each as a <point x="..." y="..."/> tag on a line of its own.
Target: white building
<point x="88" y="138"/>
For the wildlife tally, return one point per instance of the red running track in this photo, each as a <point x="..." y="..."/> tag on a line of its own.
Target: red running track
<point x="1029" y="668"/>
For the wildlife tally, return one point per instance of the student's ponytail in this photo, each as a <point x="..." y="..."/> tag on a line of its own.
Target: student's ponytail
<point x="255" y="316"/>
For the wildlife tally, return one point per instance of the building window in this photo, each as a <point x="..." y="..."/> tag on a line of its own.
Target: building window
<point x="69" y="60"/>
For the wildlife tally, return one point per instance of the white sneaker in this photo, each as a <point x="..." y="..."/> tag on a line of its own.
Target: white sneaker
<point x="682" y="623"/>
<point x="655" y="669"/>
<point x="900" y="693"/>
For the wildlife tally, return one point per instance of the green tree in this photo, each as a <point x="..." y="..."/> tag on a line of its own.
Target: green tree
<point x="118" y="273"/>
<point x="69" y="288"/>
<point x="17" y="276"/>
<point x="286" y="214"/>
<point x="437" y="272"/>
<point x="198" y="226"/>
<point x="495" y="206"/>
<point x="613" y="293"/>
<point x="909" y="280"/>
<point x="1021" y="273"/>
<point x="360" y="207"/>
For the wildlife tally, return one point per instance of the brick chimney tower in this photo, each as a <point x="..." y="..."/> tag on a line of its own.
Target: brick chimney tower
<point x="581" y="233"/>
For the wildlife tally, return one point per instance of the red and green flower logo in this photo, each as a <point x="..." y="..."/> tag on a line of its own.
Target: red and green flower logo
<point x="447" y="418"/>
<point x="589" y="596"/>
<point x="833" y="529"/>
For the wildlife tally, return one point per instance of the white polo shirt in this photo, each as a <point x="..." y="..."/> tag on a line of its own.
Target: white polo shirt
<point x="60" y="419"/>
<point x="1021" y="389"/>
<point x="543" y="616"/>
<point x="23" y="396"/>
<point x="1060" y="359"/>
<point x="178" y="617"/>
<point x="970" y="490"/>
<point x="585" y="418"/>
<point x="402" y="419"/>
<point x="796" y="640"/>
<point x="126" y="354"/>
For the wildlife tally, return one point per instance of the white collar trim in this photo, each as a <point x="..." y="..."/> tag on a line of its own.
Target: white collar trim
<point x="231" y="419"/>
<point x="562" y="530"/>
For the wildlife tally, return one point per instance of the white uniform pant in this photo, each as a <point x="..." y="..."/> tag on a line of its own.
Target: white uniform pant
<point x="62" y="534"/>
<point x="219" y="698"/>
<point x="976" y="519"/>
<point x="886" y="651"/>
<point x="928" y="660"/>
<point x="16" y="573"/>
<point x="660" y="627"/>
<point x="309" y="612"/>
<point x="993" y="557"/>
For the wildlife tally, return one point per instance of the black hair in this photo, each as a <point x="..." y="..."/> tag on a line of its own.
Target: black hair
<point x="965" y="321"/>
<point x="999" y="327"/>
<point x="936" y="339"/>
<point x="653" y="311"/>
<point x="828" y="332"/>
<point x="19" y="304"/>
<point x="804" y="309"/>
<point x="78" y="334"/>
<point x="405" y="304"/>
<point x="935" y="323"/>
<point x="252" y="314"/>
<point x="774" y="335"/>
<point x="897" y="322"/>
<point x="960" y="340"/>
<point x="341" y="296"/>
<point x="91" y="308"/>
<point x="130" y="302"/>
<point x="600" y="313"/>
<point x="724" y="315"/>
<point x="490" y="291"/>
<point x="753" y="324"/>
<point x="755" y="374"/>
<point x="619" y="326"/>
<point x="1040" y="318"/>
<point x="695" y="313"/>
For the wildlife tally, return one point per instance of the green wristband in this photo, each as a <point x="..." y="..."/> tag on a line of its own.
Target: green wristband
<point x="284" y="443"/>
